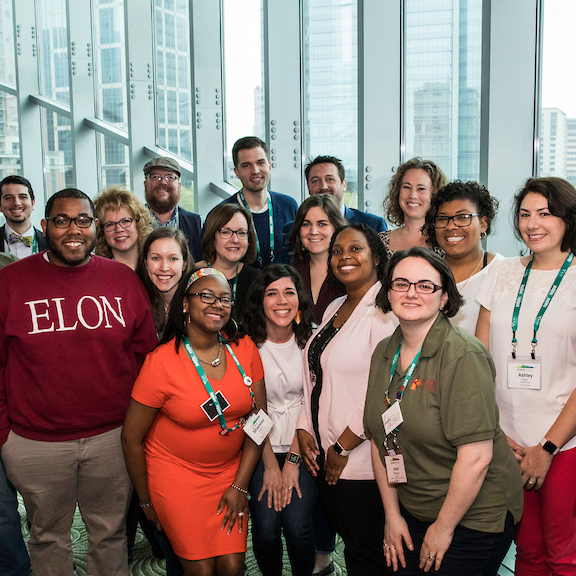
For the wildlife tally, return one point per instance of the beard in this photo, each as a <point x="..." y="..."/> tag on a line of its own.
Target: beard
<point x="73" y="260"/>
<point x="163" y="205"/>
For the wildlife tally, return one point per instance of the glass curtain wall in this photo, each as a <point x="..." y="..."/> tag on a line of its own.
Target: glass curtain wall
<point x="331" y="85"/>
<point x="442" y="76"/>
<point x="9" y="138"/>
<point x="557" y="126"/>
<point x="243" y="75"/>
<point x="110" y="88"/>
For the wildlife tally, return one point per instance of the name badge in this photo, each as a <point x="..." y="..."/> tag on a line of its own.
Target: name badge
<point x="257" y="426"/>
<point x="392" y="418"/>
<point x="524" y="373"/>
<point x="395" y="469"/>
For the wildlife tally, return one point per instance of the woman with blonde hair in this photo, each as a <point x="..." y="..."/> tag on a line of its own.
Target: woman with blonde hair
<point x="124" y="224"/>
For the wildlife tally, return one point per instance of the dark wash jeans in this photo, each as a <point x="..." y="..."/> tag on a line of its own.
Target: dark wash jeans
<point x="471" y="553"/>
<point x="14" y="560"/>
<point x="297" y="521"/>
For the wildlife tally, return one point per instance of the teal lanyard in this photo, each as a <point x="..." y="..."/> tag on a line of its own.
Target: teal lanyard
<point x="543" y="308"/>
<point x="34" y="243"/>
<point x="234" y="284"/>
<point x="270" y="226"/>
<point x="247" y="380"/>
<point x="411" y="368"/>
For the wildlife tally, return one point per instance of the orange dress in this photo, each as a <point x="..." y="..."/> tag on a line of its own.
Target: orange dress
<point x="189" y="463"/>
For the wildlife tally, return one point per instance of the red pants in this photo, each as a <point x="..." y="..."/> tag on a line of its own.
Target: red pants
<point x="546" y="538"/>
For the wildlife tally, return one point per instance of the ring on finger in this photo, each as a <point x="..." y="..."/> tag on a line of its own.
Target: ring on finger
<point x="240" y="514"/>
<point x="430" y="557"/>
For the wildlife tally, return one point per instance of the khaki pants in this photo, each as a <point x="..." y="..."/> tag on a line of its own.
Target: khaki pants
<point x="52" y="477"/>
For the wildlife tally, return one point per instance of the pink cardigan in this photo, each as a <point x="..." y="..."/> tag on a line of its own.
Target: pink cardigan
<point x="345" y="367"/>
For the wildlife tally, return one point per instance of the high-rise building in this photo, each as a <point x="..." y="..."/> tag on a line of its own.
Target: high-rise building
<point x="552" y="157"/>
<point x="571" y="150"/>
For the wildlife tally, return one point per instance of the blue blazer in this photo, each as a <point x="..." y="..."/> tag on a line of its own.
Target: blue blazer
<point x="191" y="225"/>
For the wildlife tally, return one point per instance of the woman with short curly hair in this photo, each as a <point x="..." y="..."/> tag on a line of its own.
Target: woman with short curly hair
<point x="460" y="216"/>
<point x="124" y="224"/>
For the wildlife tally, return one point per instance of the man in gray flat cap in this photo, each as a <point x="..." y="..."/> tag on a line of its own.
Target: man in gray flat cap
<point x="162" y="187"/>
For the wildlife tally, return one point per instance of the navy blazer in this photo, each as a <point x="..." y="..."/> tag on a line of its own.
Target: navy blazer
<point x="191" y="225"/>
<point x="40" y="240"/>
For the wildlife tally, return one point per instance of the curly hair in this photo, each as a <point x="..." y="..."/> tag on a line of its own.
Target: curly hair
<point x="328" y="204"/>
<point x="217" y="219"/>
<point x="391" y="204"/>
<point x="176" y="322"/>
<point x="561" y="196"/>
<point x="113" y="198"/>
<point x="455" y="300"/>
<point x="375" y="244"/>
<point x="254" y="321"/>
<point x="155" y="296"/>
<point x="486" y="205"/>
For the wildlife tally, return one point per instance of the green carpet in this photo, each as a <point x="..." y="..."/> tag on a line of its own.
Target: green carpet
<point x="144" y="564"/>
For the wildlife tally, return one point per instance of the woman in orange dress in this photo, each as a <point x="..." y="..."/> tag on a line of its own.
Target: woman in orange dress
<point x="186" y="451"/>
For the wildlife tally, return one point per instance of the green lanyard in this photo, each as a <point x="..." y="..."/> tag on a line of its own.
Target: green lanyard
<point x="270" y="226"/>
<point x="247" y="380"/>
<point x="234" y="284"/>
<point x="543" y="308"/>
<point x="411" y="368"/>
<point x="34" y="243"/>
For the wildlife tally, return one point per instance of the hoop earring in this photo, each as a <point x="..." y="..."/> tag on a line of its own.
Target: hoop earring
<point x="236" y="329"/>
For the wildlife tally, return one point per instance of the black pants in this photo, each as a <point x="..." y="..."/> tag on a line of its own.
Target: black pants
<point x="355" y="510"/>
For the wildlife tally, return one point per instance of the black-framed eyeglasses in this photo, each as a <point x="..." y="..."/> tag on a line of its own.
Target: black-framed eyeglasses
<point x="124" y="223"/>
<point x="65" y="221"/>
<point x="160" y="177"/>
<point x="422" y="286"/>
<point x="460" y="220"/>
<point x="226" y="233"/>
<point x="208" y="298"/>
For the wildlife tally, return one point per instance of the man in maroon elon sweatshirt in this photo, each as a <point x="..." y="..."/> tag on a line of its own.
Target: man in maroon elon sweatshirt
<point x="74" y="331"/>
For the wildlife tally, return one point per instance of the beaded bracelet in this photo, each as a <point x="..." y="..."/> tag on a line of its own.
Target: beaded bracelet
<point x="240" y="489"/>
<point x="147" y="505"/>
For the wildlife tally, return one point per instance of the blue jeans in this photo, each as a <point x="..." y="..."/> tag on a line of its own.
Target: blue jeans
<point x="296" y="520"/>
<point x="14" y="560"/>
<point x="471" y="552"/>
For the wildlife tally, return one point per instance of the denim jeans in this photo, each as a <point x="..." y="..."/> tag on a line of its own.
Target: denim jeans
<point x="14" y="560"/>
<point x="296" y="520"/>
<point x="472" y="552"/>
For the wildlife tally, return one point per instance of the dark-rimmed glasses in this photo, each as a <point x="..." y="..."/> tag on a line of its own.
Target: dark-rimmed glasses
<point x="460" y="220"/>
<point x="422" y="286"/>
<point x="124" y="223"/>
<point x="226" y="233"/>
<point x="208" y="298"/>
<point x="65" y="221"/>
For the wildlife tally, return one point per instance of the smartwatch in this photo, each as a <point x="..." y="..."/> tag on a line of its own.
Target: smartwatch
<point x="339" y="449"/>
<point x="549" y="447"/>
<point x="293" y="458"/>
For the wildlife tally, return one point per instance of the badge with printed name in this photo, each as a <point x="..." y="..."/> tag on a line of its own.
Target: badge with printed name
<point x="392" y="418"/>
<point x="524" y="373"/>
<point x="257" y="426"/>
<point x="395" y="469"/>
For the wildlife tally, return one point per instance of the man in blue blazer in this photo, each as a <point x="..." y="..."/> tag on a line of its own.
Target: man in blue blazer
<point x="326" y="175"/>
<point x="162" y="188"/>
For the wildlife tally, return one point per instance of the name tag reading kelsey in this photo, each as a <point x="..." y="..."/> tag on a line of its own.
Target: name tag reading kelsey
<point x="257" y="426"/>
<point x="525" y="373"/>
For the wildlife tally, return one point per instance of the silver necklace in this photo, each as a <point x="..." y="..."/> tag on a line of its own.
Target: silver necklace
<point x="216" y="361"/>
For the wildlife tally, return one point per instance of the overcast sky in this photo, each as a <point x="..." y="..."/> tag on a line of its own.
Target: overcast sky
<point x="559" y="57"/>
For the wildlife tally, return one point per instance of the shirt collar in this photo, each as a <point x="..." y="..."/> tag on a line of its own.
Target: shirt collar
<point x="172" y="221"/>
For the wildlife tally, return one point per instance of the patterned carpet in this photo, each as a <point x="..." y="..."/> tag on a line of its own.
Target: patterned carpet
<point x="144" y="564"/>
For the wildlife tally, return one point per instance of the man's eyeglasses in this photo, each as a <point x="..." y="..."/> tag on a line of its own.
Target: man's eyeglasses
<point x="65" y="221"/>
<point x="208" y="298"/>
<point x="460" y="220"/>
<point x="226" y="233"/>
<point x="422" y="286"/>
<point x="159" y="177"/>
<point x="124" y="223"/>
